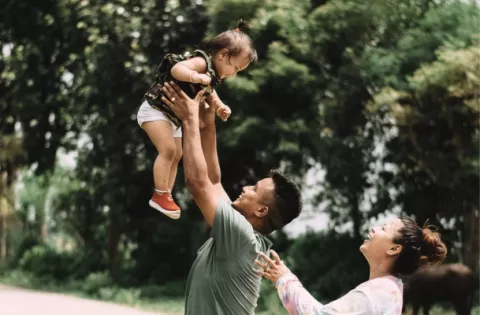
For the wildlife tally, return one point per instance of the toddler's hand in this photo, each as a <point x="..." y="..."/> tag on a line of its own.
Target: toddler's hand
<point x="201" y="78"/>
<point x="223" y="111"/>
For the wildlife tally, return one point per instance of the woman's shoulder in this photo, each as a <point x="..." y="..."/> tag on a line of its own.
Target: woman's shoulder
<point x="385" y="294"/>
<point x="382" y="283"/>
<point x="383" y="290"/>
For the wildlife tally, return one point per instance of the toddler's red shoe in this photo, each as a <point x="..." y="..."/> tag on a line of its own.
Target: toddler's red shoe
<point x="164" y="203"/>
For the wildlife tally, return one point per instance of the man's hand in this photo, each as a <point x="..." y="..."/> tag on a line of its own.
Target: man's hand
<point x="207" y="115"/>
<point x="182" y="105"/>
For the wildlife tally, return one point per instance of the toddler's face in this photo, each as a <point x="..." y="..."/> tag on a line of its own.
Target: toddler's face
<point x="229" y="66"/>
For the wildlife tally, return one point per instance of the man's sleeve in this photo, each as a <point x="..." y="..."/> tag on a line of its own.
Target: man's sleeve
<point x="230" y="230"/>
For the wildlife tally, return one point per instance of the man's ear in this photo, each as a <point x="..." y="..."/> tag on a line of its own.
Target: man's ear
<point x="395" y="249"/>
<point x="262" y="211"/>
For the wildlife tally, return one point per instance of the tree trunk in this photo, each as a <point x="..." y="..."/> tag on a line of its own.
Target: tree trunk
<point x="3" y="237"/>
<point x="11" y="146"/>
<point x="3" y="219"/>
<point x="43" y="232"/>
<point x="114" y="236"/>
<point x="356" y="216"/>
<point x="42" y="213"/>
<point x="471" y="239"/>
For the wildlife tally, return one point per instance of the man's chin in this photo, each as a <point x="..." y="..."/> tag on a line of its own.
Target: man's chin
<point x="234" y="203"/>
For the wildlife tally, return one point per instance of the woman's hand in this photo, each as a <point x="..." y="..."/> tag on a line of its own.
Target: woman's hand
<point x="181" y="104"/>
<point x="272" y="269"/>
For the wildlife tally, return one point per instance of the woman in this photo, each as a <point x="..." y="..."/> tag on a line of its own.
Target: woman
<point x="395" y="249"/>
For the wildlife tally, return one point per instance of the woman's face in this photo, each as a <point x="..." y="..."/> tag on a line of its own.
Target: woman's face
<point x="379" y="242"/>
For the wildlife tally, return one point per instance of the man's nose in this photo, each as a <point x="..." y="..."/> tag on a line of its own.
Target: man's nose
<point x="247" y="188"/>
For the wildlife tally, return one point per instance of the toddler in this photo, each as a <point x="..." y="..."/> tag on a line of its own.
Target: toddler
<point x="220" y="57"/>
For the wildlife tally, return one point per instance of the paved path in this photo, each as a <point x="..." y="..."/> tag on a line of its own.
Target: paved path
<point x="15" y="301"/>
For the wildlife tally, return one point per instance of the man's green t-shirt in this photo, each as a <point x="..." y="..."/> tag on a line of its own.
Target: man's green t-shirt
<point x="223" y="278"/>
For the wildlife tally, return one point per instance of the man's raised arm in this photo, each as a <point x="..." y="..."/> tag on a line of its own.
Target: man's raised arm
<point x="208" y="135"/>
<point x="195" y="167"/>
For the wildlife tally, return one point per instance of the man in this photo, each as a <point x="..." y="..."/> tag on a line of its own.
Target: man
<point x="223" y="279"/>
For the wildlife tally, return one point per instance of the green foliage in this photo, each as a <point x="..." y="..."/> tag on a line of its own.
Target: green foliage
<point x="43" y="261"/>
<point x="269" y="302"/>
<point x="95" y="282"/>
<point x="224" y="15"/>
<point x="450" y="25"/>
<point x="171" y="289"/>
<point x="16" y="277"/>
<point x="28" y="242"/>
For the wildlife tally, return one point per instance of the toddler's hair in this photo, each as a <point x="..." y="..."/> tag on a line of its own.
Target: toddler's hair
<point x="234" y="41"/>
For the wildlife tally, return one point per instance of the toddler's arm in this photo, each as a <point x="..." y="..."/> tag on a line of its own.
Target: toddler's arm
<point x="222" y="110"/>
<point x="191" y="70"/>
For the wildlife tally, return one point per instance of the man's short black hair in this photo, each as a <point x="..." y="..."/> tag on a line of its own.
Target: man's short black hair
<point x="286" y="203"/>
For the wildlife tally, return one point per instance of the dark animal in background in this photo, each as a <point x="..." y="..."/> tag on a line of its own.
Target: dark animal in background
<point x="453" y="283"/>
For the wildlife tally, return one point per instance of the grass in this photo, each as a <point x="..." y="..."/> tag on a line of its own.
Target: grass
<point x="172" y="306"/>
<point x="150" y="298"/>
<point x="441" y="311"/>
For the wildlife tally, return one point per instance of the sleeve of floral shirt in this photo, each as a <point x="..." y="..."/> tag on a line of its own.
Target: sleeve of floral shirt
<point x="298" y="301"/>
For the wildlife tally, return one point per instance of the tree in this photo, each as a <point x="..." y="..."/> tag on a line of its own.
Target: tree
<point x="10" y="157"/>
<point x="339" y="34"/>
<point x="435" y="148"/>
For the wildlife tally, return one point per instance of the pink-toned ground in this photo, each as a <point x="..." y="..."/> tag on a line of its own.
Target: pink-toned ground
<point x="15" y="301"/>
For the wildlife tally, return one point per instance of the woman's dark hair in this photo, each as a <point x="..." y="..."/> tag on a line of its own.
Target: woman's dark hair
<point x="420" y="246"/>
<point x="234" y="41"/>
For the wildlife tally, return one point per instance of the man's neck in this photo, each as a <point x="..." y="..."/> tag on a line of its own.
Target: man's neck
<point x="260" y="228"/>
<point x="257" y="226"/>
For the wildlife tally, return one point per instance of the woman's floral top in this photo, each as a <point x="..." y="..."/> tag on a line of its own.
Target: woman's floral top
<point x="379" y="296"/>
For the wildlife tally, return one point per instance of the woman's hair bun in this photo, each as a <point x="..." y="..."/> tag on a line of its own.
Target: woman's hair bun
<point x="433" y="250"/>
